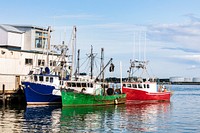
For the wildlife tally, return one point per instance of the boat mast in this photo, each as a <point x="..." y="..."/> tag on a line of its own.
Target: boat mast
<point x="102" y="64"/>
<point x="92" y="61"/>
<point x="48" y="45"/>
<point x="121" y="75"/>
<point x="73" y="46"/>
<point x="78" y="60"/>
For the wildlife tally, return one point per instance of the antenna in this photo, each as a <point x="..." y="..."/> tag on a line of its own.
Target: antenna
<point x="139" y="43"/>
<point x="133" y="45"/>
<point x="145" y="46"/>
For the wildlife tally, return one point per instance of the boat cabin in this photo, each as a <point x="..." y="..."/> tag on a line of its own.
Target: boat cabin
<point x="47" y="79"/>
<point x="146" y="86"/>
<point x="83" y="86"/>
<point x="92" y="87"/>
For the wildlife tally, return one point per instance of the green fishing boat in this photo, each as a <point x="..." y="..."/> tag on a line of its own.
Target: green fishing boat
<point x="100" y="96"/>
<point x="83" y="89"/>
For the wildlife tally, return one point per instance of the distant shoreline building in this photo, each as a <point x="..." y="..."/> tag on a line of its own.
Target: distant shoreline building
<point x="182" y="80"/>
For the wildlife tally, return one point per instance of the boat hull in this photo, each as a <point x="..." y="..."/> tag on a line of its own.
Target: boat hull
<point x="71" y="98"/>
<point x="40" y="94"/>
<point x="139" y="95"/>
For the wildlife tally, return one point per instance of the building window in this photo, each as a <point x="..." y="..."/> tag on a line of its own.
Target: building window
<point x="38" y="43"/>
<point x="41" y="62"/>
<point x="52" y="63"/>
<point x="28" y="61"/>
<point x="40" y="39"/>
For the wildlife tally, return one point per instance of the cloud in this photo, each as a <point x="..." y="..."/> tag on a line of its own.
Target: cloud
<point x="193" y="67"/>
<point x="188" y="50"/>
<point x="192" y="17"/>
<point x="193" y="59"/>
<point x="185" y="35"/>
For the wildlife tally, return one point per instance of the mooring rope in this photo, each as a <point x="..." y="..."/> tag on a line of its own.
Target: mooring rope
<point x="38" y="92"/>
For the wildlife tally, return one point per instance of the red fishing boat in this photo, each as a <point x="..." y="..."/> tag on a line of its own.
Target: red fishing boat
<point x="139" y="89"/>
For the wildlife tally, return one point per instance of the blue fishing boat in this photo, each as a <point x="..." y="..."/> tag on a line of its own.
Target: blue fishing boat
<point x="43" y="89"/>
<point x="42" y="85"/>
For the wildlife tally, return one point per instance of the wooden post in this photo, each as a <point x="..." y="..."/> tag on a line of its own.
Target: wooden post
<point x="3" y="94"/>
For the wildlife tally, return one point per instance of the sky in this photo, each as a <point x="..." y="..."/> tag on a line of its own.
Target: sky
<point x="164" y="32"/>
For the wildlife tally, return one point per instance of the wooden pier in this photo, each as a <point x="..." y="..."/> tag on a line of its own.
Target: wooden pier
<point x="16" y="97"/>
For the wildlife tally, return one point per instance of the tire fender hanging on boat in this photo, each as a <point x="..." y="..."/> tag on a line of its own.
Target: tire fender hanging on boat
<point x="116" y="101"/>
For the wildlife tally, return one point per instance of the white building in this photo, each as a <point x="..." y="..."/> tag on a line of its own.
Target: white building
<point x="176" y="79"/>
<point x="21" y="50"/>
<point x="196" y="79"/>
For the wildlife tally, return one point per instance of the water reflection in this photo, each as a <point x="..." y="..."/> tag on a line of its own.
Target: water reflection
<point x="147" y="117"/>
<point x="88" y="119"/>
<point x="143" y="117"/>
<point x="11" y="118"/>
<point x="42" y="119"/>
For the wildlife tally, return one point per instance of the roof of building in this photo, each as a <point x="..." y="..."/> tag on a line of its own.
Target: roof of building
<point x="10" y="28"/>
<point x="32" y="27"/>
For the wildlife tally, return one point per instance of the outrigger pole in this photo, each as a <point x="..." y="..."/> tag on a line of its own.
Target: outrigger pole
<point x="104" y="69"/>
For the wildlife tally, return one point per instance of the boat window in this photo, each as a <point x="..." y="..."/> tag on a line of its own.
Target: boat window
<point x="35" y="78"/>
<point x="61" y="82"/>
<point x="134" y="85"/>
<point x="51" y="79"/>
<point x="47" y="79"/>
<point x="148" y="86"/>
<point x="124" y="85"/>
<point x="78" y="84"/>
<point x="73" y="84"/>
<point x="139" y="85"/>
<point x="69" y="84"/>
<point x="144" y="85"/>
<point x="106" y="86"/>
<point x="83" y="84"/>
<point x="90" y="85"/>
<point x="128" y="85"/>
<point x="41" y="78"/>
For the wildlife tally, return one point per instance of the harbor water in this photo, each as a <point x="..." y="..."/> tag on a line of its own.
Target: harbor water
<point x="182" y="114"/>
